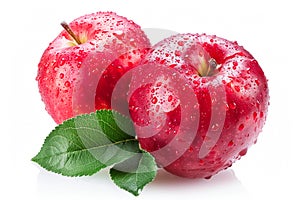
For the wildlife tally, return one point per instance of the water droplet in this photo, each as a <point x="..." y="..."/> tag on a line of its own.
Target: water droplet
<point x="188" y="72"/>
<point x="203" y="80"/>
<point x="57" y="92"/>
<point x="79" y="64"/>
<point x="232" y="105"/>
<point x="154" y="100"/>
<point x="230" y="144"/>
<point x="158" y="84"/>
<point x="226" y="107"/>
<point x="177" y="53"/>
<point x="234" y="64"/>
<point x="61" y="75"/>
<point x="237" y="88"/>
<point x="247" y="86"/>
<point x="55" y="69"/>
<point x="180" y="43"/>
<point x="241" y="127"/>
<point x="170" y="98"/>
<point x="257" y="104"/>
<point x="243" y="152"/>
<point x="257" y="82"/>
<point x="67" y="84"/>
<point x="173" y="65"/>
<point x="254" y="115"/>
<point x="261" y="114"/>
<point x="62" y="61"/>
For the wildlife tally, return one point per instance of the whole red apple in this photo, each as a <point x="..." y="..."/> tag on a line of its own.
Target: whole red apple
<point x="79" y="69"/>
<point x="198" y="103"/>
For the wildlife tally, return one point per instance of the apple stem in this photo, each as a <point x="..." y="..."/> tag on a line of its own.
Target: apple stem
<point x="208" y="68"/>
<point x="69" y="30"/>
<point x="212" y="66"/>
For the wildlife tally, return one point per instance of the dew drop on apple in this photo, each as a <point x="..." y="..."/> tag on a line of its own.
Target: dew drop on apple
<point x="159" y="84"/>
<point x="203" y="80"/>
<point x="261" y="115"/>
<point x="234" y="64"/>
<point x="232" y="105"/>
<point x="62" y="62"/>
<point x="180" y="43"/>
<point x="230" y="144"/>
<point x="237" y="88"/>
<point x="154" y="100"/>
<point x="196" y="82"/>
<point x="55" y="69"/>
<point x="241" y="127"/>
<point x="257" y="104"/>
<point x="61" y="75"/>
<point x="170" y="98"/>
<point x="177" y="53"/>
<point x="247" y="86"/>
<point x="243" y="152"/>
<point x="67" y="84"/>
<point x="254" y="115"/>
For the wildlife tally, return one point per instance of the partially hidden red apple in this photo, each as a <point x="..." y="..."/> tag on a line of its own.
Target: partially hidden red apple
<point x="198" y="103"/>
<point x="79" y="69"/>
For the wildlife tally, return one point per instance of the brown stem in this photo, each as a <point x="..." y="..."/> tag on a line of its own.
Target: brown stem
<point x="71" y="33"/>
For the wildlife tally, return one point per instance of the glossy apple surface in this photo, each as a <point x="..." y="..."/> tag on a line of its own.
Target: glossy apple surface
<point x="201" y="106"/>
<point x="78" y="77"/>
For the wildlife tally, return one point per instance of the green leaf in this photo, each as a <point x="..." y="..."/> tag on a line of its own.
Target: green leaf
<point x="134" y="173"/>
<point x="85" y="144"/>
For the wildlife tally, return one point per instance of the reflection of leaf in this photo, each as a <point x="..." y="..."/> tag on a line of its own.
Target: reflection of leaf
<point x="134" y="173"/>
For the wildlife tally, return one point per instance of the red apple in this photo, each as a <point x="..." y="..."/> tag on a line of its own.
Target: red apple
<point x="198" y="103"/>
<point x="78" y="70"/>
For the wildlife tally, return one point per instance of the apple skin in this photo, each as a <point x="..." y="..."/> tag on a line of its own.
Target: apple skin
<point x="69" y="74"/>
<point x="230" y="105"/>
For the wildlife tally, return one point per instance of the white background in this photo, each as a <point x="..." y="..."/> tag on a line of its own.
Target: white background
<point x="268" y="29"/>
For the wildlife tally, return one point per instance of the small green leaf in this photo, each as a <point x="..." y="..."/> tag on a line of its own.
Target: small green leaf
<point x="85" y="144"/>
<point x="134" y="173"/>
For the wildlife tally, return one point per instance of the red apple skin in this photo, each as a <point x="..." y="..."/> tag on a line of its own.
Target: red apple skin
<point x="240" y="106"/>
<point x="69" y="74"/>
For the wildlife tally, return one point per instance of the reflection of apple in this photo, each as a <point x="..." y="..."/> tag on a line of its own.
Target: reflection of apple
<point x="231" y="95"/>
<point x="78" y="70"/>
